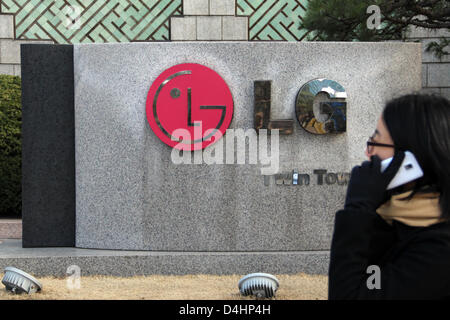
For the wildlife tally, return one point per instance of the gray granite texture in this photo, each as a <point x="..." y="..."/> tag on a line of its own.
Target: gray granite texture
<point x="129" y="194"/>
<point x="55" y="261"/>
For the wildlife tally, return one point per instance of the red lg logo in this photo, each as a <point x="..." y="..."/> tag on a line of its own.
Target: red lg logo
<point x="189" y="106"/>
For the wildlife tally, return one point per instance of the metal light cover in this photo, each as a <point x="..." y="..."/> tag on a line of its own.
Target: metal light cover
<point x="18" y="281"/>
<point x="260" y="285"/>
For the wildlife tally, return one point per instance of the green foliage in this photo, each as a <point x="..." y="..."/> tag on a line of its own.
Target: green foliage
<point x="337" y="20"/>
<point x="346" y="20"/>
<point x="10" y="145"/>
<point x="438" y="48"/>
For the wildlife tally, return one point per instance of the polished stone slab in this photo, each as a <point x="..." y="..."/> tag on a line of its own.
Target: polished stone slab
<point x="129" y="194"/>
<point x="48" y="145"/>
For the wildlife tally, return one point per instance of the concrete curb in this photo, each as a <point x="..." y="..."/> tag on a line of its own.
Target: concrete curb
<point x="55" y="261"/>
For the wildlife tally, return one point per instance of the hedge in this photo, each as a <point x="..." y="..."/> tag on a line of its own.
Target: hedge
<point x="10" y="146"/>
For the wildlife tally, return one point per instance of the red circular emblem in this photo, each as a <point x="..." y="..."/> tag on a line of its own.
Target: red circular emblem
<point x="189" y="106"/>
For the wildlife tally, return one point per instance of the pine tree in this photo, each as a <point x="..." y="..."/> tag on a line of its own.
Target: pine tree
<point x="356" y="20"/>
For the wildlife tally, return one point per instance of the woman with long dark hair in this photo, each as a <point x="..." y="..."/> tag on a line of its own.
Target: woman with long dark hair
<point x="395" y="244"/>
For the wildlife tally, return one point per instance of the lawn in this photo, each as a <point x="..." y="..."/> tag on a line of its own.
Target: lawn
<point x="162" y="287"/>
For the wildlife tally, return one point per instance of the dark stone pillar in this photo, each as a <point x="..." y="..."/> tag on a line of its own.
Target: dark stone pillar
<point x="48" y="146"/>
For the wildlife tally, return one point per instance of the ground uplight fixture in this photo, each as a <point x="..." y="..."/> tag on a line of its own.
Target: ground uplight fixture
<point x="260" y="285"/>
<point x="18" y="281"/>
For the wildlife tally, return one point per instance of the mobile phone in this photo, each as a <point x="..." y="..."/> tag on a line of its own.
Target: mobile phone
<point x="408" y="171"/>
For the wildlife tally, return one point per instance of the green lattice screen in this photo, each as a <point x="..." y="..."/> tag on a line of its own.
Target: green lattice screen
<point x="75" y="21"/>
<point x="273" y="19"/>
<point x="84" y="21"/>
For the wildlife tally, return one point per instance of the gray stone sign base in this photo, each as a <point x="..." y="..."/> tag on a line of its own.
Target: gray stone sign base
<point x="129" y="193"/>
<point x="55" y="261"/>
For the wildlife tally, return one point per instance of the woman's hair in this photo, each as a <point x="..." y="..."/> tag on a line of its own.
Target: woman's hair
<point x="420" y="123"/>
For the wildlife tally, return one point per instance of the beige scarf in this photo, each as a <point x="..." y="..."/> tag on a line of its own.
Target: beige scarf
<point x="422" y="210"/>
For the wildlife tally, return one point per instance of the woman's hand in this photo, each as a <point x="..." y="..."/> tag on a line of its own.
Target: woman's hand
<point x="367" y="185"/>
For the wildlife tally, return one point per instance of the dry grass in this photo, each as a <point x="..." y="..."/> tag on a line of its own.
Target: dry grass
<point x="158" y="287"/>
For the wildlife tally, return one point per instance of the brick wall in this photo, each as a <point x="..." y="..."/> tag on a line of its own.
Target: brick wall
<point x="9" y="47"/>
<point x="188" y="20"/>
<point x="209" y="20"/>
<point x="435" y="72"/>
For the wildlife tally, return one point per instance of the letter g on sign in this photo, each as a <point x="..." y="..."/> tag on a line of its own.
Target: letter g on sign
<point x="335" y="110"/>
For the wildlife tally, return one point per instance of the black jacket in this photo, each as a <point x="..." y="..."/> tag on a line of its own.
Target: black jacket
<point x="414" y="262"/>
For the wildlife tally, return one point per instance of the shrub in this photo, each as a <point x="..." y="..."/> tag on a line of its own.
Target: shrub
<point x="10" y="146"/>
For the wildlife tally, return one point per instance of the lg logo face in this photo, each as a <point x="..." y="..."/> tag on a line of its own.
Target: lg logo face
<point x="189" y="106"/>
